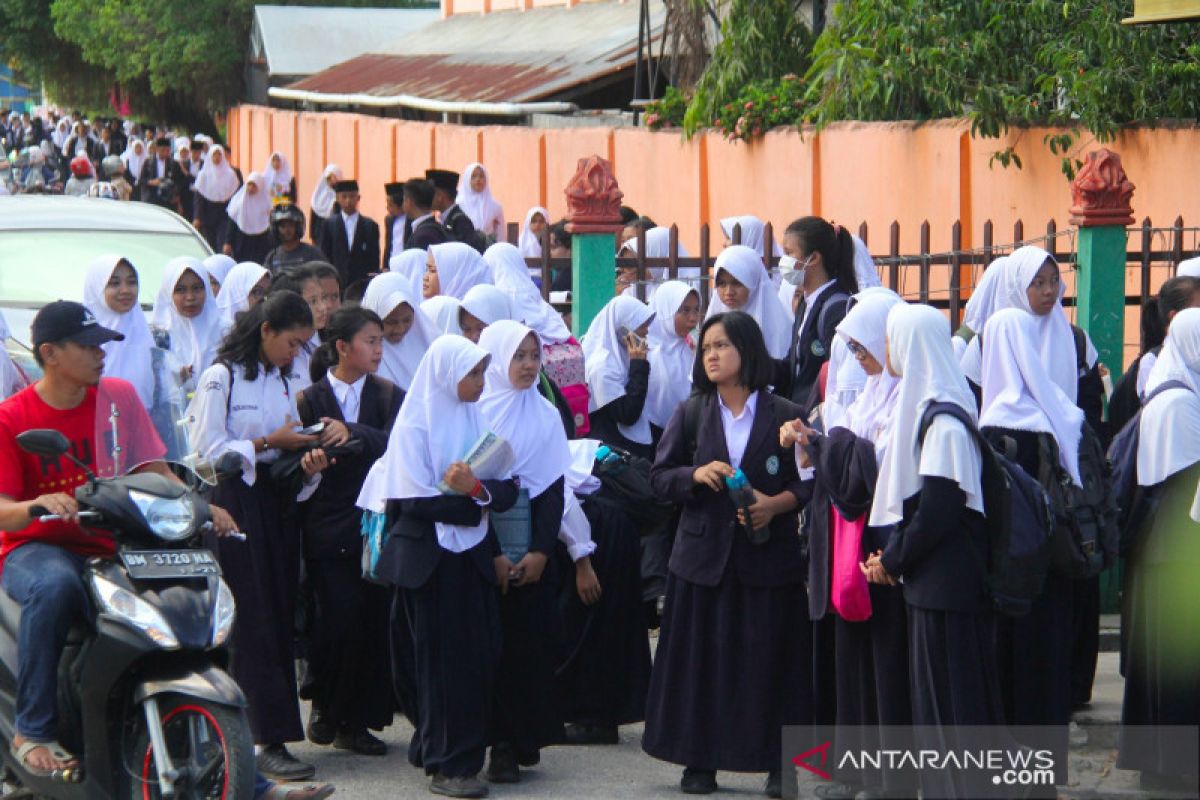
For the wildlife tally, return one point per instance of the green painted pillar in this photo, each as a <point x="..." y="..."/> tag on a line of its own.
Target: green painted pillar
<point x="593" y="277"/>
<point x="1100" y="207"/>
<point x="594" y="214"/>
<point x="1101" y="292"/>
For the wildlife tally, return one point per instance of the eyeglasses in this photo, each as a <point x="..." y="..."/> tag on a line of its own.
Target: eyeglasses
<point x="856" y="349"/>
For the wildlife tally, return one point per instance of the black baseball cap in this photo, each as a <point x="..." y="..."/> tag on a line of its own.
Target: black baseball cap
<point x="68" y="321"/>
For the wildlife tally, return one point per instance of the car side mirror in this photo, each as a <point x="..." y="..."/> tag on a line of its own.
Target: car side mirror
<point x="44" y="442"/>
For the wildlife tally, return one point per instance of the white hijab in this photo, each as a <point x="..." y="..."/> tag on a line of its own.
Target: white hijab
<point x="1017" y="392"/>
<point x="411" y="265"/>
<point x="753" y="232"/>
<point x="133" y="159"/>
<point x="868" y="415"/>
<point x="522" y="417"/>
<point x="433" y="430"/>
<point x="128" y="359"/>
<point x="919" y="344"/>
<point x="252" y="213"/>
<point x="529" y="244"/>
<point x="671" y="357"/>
<point x="481" y="207"/>
<point x="400" y="360"/>
<point x="1189" y="268"/>
<point x="459" y="267"/>
<point x="278" y="181"/>
<point x="746" y="265"/>
<point x="510" y="274"/>
<point x="845" y="378"/>
<point x="193" y="341"/>
<point x="443" y="311"/>
<point x="606" y="361"/>
<point x="865" y="272"/>
<point x="217" y="182"/>
<point x="218" y="266"/>
<point x="1170" y="425"/>
<point x="658" y="245"/>
<point x="235" y="290"/>
<point x="323" y="196"/>
<point x="487" y="304"/>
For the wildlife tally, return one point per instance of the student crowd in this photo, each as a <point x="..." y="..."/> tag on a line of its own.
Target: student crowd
<point x="871" y="608"/>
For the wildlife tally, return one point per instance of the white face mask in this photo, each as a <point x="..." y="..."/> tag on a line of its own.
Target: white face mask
<point x="790" y="273"/>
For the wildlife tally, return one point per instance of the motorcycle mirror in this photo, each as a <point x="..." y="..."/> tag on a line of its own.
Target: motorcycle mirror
<point x="44" y="442"/>
<point x="228" y="465"/>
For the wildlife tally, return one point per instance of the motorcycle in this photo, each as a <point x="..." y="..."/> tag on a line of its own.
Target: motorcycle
<point x="145" y="699"/>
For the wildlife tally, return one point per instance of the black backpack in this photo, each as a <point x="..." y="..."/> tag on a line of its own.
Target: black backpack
<point x="1135" y="504"/>
<point x="625" y="484"/>
<point x="1087" y="538"/>
<point x="1020" y="521"/>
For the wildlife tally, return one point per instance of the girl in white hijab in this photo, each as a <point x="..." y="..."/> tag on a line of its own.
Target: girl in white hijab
<point x="865" y="326"/>
<point x="846" y="378"/>
<point x="323" y="199"/>
<point x="475" y="198"/>
<point x="245" y="286"/>
<point x="443" y="311"/>
<point x="658" y="245"/>
<point x="446" y="563"/>
<point x="482" y="306"/>
<point x="278" y="179"/>
<point x="411" y="265"/>
<point x="249" y="236"/>
<point x="217" y="266"/>
<point x="407" y="331"/>
<point x="510" y="275"/>
<point x="453" y="268"/>
<point x="1163" y="615"/>
<point x="515" y="410"/>
<point x="186" y="318"/>
<point x="618" y="374"/>
<point x="932" y="491"/>
<point x="11" y="380"/>
<point x="110" y="292"/>
<point x="742" y="284"/>
<point x="215" y="184"/>
<point x="984" y="301"/>
<point x="676" y="308"/>
<point x="753" y="232"/>
<point x="530" y="243"/>
<point x="134" y="157"/>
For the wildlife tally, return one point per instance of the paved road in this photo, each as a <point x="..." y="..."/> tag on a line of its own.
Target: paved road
<point x="624" y="771"/>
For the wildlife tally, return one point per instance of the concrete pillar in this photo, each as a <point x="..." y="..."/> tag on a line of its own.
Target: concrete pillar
<point x="594" y="220"/>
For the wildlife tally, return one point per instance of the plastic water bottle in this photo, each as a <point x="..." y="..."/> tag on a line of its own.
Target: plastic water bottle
<point x="743" y="497"/>
<point x="607" y="459"/>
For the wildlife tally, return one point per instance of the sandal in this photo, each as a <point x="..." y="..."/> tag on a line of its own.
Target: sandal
<point x="67" y="774"/>
<point x="317" y="791"/>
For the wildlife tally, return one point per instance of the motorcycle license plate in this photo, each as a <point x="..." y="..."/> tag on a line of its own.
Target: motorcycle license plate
<point x="152" y="564"/>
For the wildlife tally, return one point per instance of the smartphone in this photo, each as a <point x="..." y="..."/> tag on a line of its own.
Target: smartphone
<point x="312" y="430"/>
<point x="623" y="332"/>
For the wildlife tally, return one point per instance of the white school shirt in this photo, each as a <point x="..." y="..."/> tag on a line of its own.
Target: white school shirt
<point x="397" y="236"/>
<point x="737" y="429"/>
<point x="160" y="167"/>
<point x="300" y="379"/>
<point x="348" y="396"/>
<point x="256" y="408"/>
<point x="351" y="222"/>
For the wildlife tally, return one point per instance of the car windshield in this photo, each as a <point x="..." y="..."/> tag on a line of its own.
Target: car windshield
<point x="38" y="267"/>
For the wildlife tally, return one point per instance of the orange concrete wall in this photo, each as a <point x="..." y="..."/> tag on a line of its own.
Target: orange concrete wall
<point x="850" y="172"/>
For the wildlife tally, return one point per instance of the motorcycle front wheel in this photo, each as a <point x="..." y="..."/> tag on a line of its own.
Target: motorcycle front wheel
<point x="210" y="747"/>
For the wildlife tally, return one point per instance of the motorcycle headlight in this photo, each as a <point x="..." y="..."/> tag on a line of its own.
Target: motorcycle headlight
<point x="134" y="611"/>
<point x="223" y="613"/>
<point x="170" y="519"/>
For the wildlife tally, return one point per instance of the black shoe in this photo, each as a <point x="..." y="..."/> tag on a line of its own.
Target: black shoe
<point x="469" y="786"/>
<point x="361" y="742"/>
<point x="279" y="765"/>
<point x="592" y="734"/>
<point x="502" y="766"/>
<point x="698" y="781"/>
<point x="529" y="758"/>
<point x="774" y="784"/>
<point x="319" y="731"/>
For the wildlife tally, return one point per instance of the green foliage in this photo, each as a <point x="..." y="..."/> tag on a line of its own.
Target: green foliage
<point x="667" y="111"/>
<point x="760" y="40"/>
<point x="761" y="106"/>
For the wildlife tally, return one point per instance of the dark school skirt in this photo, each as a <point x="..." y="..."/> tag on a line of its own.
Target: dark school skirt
<point x="733" y="666"/>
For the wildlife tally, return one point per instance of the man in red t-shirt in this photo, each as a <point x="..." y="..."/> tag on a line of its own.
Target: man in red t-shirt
<point x="42" y="562"/>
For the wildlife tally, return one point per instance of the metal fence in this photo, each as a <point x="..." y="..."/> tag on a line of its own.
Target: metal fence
<point x="942" y="279"/>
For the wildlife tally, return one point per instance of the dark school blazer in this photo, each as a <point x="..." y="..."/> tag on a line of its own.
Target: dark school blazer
<point x="353" y="263"/>
<point x="709" y="537"/>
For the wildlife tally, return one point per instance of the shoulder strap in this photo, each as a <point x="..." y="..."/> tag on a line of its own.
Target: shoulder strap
<point x="1080" y="348"/>
<point x="305" y="408"/>
<point x="229" y="394"/>
<point x="965" y="333"/>
<point x="830" y="302"/>
<point x="1162" y="387"/>
<point x="936" y="409"/>
<point x="691" y="421"/>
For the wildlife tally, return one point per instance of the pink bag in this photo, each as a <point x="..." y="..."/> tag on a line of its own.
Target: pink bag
<point x="848" y="586"/>
<point x="564" y="364"/>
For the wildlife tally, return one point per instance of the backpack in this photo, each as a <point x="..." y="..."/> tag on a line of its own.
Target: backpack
<point x="1135" y="504"/>
<point x="1020" y="522"/>
<point x="625" y="484"/>
<point x="564" y="363"/>
<point x="1088" y="536"/>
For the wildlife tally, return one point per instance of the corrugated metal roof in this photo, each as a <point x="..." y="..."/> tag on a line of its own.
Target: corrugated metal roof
<point x="506" y="56"/>
<point x="302" y="40"/>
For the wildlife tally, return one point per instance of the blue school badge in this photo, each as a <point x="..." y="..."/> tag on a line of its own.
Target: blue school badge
<point x="773" y="465"/>
<point x="817" y="348"/>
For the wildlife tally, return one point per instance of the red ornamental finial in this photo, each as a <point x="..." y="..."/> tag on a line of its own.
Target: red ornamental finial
<point x="593" y="198"/>
<point x="1101" y="192"/>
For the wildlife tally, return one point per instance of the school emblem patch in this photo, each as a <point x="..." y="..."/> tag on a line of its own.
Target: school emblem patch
<point x="773" y="465"/>
<point x="817" y="348"/>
